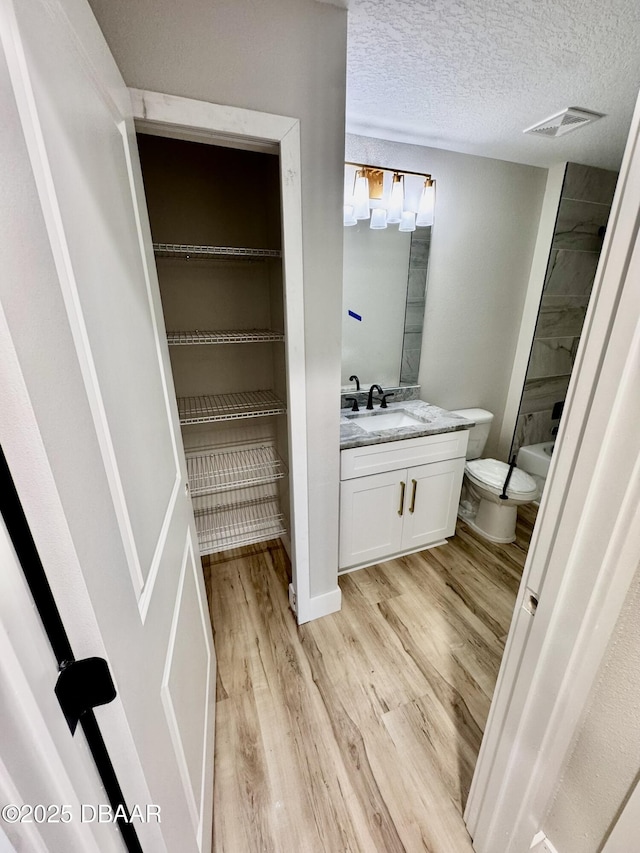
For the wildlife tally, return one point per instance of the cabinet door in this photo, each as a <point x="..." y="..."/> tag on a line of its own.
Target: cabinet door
<point x="371" y="517"/>
<point x="433" y="493"/>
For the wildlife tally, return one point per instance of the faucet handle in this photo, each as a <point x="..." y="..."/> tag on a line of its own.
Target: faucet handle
<point x="383" y="404"/>
<point x="354" y="408"/>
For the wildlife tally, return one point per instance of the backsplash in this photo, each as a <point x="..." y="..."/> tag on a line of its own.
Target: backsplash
<point x="400" y="395"/>
<point x="584" y="209"/>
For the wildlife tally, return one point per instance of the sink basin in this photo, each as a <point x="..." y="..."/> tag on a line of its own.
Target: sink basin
<point x="389" y="420"/>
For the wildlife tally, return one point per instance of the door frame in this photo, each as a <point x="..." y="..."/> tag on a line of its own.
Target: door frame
<point x="199" y="121"/>
<point x="584" y="551"/>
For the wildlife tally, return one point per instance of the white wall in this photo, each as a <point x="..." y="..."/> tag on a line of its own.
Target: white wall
<point x="286" y="57"/>
<point x="482" y="243"/>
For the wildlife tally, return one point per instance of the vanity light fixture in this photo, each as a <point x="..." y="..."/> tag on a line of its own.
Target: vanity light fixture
<point x="349" y="217"/>
<point x="396" y="200"/>
<point x="427" y="203"/>
<point x="378" y="218"/>
<point x="400" y="204"/>
<point x="408" y="221"/>
<point x="361" y="195"/>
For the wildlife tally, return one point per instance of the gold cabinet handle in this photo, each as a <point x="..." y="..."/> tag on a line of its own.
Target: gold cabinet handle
<point x="402" y="488"/>
<point x="413" y="495"/>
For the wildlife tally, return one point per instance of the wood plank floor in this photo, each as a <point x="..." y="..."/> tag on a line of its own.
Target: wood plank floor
<point x="357" y="732"/>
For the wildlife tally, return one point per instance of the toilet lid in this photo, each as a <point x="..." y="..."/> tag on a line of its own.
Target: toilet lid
<point x="492" y="473"/>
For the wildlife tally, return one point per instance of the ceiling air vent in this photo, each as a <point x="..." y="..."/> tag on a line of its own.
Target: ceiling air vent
<point x="570" y="119"/>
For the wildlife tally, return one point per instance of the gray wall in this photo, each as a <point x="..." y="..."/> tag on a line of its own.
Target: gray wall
<point x="286" y="57"/>
<point x="584" y="208"/>
<point x="604" y="760"/>
<point x="482" y="241"/>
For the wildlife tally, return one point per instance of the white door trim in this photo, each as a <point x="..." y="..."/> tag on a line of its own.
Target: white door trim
<point x="186" y="118"/>
<point x="583" y="553"/>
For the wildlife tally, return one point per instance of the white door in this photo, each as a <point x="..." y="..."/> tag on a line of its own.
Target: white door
<point x="93" y="356"/>
<point x="41" y="763"/>
<point x="433" y="492"/>
<point x="371" y="512"/>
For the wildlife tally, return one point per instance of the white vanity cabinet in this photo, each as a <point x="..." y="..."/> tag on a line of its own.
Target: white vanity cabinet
<point x="400" y="496"/>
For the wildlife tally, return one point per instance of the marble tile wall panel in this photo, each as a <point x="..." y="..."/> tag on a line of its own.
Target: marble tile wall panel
<point x="584" y="210"/>
<point x="410" y="364"/>
<point x="414" y="317"/>
<point x="533" y="428"/>
<point x="561" y="316"/>
<point x="543" y="393"/>
<point x="587" y="183"/>
<point x="578" y="225"/>
<point x="552" y="357"/>
<point x="421" y="235"/>
<point x="413" y="340"/>
<point x="419" y="254"/>
<point x="570" y="273"/>
<point x="417" y="282"/>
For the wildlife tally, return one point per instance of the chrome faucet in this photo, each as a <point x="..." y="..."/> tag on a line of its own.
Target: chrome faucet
<point x="370" y="397"/>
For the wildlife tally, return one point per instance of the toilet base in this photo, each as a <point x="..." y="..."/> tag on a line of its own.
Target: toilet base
<point x="494" y="522"/>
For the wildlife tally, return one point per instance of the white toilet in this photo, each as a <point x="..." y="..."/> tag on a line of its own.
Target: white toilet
<point x="481" y="506"/>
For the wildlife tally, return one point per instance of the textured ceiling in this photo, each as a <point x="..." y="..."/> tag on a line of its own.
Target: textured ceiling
<point x="470" y="75"/>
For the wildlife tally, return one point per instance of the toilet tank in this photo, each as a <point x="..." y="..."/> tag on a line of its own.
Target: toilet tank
<point x="478" y="434"/>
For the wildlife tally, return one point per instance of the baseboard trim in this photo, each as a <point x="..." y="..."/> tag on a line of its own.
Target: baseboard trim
<point x="319" y="605"/>
<point x="541" y="844"/>
<point x="286" y="544"/>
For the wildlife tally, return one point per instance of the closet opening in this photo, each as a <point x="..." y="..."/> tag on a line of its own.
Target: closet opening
<point x="216" y="225"/>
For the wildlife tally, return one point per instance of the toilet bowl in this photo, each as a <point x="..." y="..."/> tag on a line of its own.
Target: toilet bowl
<point x="482" y="506"/>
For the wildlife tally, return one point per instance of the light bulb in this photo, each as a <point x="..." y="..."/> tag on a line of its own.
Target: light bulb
<point x="361" y="195"/>
<point x="348" y="217"/>
<point x="378" y="218"/>
<point x="408" y="221"/>
<point x="396" y="201"/>
<point x="427" y="204"/>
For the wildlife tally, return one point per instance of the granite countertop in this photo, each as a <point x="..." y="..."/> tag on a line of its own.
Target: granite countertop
<point x="436" y="420"/>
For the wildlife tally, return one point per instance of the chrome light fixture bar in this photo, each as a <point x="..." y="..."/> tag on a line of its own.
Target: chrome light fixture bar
<point x="388" y="197"/>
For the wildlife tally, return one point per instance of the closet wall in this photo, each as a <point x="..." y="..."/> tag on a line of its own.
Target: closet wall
<point x="215" y="222"/>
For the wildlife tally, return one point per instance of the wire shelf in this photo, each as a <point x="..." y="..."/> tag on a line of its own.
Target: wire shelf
<point x="178" y="250"/>
<point x="239" y="524"/>
<point x="228" y="336"/>
<point x="208" y="408"/>
<point x="236" y="469"/>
